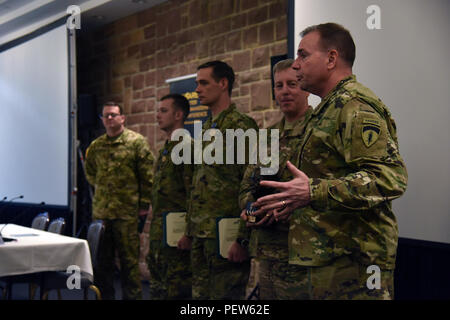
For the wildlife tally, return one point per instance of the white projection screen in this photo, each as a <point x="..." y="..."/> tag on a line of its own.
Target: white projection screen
<point x="405" y="63"/>
<point x="34" y="118"/>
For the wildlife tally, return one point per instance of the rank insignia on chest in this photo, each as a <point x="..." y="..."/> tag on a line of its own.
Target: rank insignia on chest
<point x="370" y="131"/>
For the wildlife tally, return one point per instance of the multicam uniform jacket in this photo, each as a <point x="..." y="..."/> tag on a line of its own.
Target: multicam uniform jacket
<point x="351" y="155"/>
<point x="171" y="184"/>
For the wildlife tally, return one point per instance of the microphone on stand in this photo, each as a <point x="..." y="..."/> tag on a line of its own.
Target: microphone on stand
<point x="11" y="200"/>
<point x="2" y="240"/>
<point x="18" y="197"/>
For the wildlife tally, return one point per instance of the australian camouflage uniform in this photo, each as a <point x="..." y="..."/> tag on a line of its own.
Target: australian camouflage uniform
<point x="120" y="169"/>
<point x="269" y="245"/>
<point x="170" y="268"/>
<point x="350" y="154"/>
<point x="214" y="194"/>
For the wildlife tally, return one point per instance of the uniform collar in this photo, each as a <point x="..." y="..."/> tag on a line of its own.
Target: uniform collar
<point x="169" y="144"/>
<point x="296" y="127"/>
<point x="217" y="120"/>
<point x="117" y="139"/>
<point x="330" y="94"/>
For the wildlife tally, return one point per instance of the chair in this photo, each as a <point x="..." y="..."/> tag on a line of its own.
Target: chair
<point x="41" y="221"/>
<point x="57" y="226"/>
<point x="58" y="280"/>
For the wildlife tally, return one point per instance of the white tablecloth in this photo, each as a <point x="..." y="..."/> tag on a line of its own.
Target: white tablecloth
<point x="37" y="251"/>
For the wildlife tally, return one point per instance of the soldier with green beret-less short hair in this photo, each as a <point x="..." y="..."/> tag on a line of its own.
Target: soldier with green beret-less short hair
<point x="347" y="172"/>
<point x="215" y="192"/>
<point x="119" y="165"/>
<point x="170" y="267"/>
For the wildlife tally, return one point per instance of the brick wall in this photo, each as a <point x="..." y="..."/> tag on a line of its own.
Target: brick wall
<point x="129" y="60"/>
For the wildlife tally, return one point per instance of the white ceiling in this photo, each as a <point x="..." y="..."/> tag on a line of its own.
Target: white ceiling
<point x="20" y="17"/>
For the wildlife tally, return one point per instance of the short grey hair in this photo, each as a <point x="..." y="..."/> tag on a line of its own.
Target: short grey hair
<point x="282" y="65"/>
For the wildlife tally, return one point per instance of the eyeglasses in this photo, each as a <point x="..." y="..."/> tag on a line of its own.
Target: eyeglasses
<point x="112" y="115"/>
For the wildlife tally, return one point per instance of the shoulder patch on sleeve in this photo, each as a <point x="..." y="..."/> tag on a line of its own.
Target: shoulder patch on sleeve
<point x="370" y="131"/>
<point x="368" y="136"/>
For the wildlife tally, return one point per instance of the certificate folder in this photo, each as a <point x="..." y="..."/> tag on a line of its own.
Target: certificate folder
<point x="174" y="226"/>
<point x="227" y="231"/>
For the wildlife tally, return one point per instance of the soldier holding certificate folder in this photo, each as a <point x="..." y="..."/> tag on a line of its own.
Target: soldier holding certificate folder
<point x="170" y="268"/>
<point x="215" y="192"/>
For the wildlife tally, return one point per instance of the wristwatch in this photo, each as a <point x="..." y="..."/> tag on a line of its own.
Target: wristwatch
<point x="243" y="242"/>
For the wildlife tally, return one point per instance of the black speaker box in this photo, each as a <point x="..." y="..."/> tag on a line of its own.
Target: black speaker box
<point x="87" y="111"/>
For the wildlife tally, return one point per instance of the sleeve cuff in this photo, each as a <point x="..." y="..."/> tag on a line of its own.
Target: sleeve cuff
<point x="245" y="200"/>
<point x="318" y="189"/>
<point x="243" y="231"/>
<point x="144" y="205"/>
<point x="188" y="230"/>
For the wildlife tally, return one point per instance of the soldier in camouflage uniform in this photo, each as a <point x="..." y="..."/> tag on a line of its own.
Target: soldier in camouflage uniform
<point x="119" y="165"/>
<point x="170" y="268"/>
<point x="269" y="239"/>
<point x="349" y="172"/>
<point x="215" y="192"/>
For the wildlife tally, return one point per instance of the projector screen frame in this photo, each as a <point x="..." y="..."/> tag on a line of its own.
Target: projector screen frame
<point x="72" y="118"/>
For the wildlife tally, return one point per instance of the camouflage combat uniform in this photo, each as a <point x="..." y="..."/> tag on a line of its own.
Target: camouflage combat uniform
<point x="215" y="192"/>
<point x="170" y="268"/>
<point x="269" y="245"/>
<point x="350" y="153"/>
<point x="120" y="169"/>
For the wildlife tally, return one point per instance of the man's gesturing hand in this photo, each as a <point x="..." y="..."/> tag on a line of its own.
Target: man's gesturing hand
<point x="293" y="194"/>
